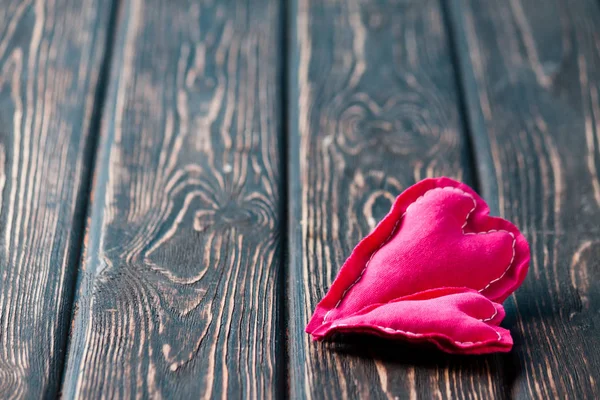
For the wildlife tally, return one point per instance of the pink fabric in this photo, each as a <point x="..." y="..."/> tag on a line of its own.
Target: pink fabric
<point x="433" y="269"/>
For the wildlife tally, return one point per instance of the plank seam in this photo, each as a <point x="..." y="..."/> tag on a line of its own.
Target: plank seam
<point x="471" y="115"/>
<point x="87" y="183"/>
<point x="284" y="150"/>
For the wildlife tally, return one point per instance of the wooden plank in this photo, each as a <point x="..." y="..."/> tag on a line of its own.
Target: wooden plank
<point x="51" y="58"/>
<point x="531" y="70"/>
<point x="374" y="108"/>
<point x="180" y="290"/>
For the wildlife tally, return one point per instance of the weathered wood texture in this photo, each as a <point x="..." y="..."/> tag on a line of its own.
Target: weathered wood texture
<point x="179" y="290"/>
<point x="532" y="78"/>
<point x="51" y="57"/>
<point x="373" y="108"/>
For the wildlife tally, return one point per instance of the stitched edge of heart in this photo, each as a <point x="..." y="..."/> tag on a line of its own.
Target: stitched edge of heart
<point x="478" y="347"/>
<point x="443" y="342"/>
<point x="432" y="184"/>
<point x="395" y="229"/>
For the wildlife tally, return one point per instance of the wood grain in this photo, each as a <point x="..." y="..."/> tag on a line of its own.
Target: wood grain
<point x="51" y="57"/>
<point x="531" y="71"/>
<point x="373" y="108"/>
<point x="180" y="286"/>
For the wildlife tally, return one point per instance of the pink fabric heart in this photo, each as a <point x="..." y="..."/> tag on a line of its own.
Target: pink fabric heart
<point x="433" y="269"/>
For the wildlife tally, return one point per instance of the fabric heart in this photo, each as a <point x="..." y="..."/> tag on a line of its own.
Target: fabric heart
<point x="434" y="269"/>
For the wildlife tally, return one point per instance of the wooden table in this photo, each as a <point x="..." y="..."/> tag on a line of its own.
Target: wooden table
<point x="180" y="182"/>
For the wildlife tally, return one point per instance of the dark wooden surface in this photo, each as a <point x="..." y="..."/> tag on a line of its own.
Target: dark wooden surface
<point x="180" y="287"/>
<point x="245" y="147"/>
<point x="531" y="71"/>
<point x="374" y="108"/>
<point x="51" y="57"/>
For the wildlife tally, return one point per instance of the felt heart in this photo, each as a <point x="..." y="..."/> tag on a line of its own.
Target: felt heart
<point x="433" y="269"/>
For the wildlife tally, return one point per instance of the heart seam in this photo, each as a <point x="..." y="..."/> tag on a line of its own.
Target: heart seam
<point x="464" y="233"/>
<point x="420" y="335"/>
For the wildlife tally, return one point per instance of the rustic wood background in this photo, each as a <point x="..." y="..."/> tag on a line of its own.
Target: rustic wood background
<point x="181" y="180"/>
